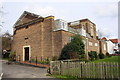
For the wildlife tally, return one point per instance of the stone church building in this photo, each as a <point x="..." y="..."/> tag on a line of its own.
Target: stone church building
<point x="44" y="37"/>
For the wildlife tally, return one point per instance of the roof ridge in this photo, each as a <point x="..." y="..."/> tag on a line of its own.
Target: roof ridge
<point x="33" y="14"/>
<point x="37" y="19"/>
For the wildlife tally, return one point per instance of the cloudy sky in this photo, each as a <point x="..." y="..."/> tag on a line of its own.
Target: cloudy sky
<point x="104" y="13"/>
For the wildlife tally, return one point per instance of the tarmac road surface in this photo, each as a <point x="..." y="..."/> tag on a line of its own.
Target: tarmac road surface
<point x="22" y="71"/>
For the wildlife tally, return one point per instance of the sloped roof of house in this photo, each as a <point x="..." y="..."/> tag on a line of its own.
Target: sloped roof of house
<point x="114" y="40"/>
<point x="25" y="13"/>
<point x="104" y="38"/>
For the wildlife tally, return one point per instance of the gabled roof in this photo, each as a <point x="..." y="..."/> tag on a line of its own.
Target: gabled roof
<point x="40" y="19"/>
<point x="114" y="40"/>
<point x="104" y="38"/>
<point x="25" y="13"/>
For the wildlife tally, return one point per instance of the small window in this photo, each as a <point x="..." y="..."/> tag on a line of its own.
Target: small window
<point x="26" y="27"/>
<point x="63" y="25"/>
<point x="26" y="38"/>
<point x="104" y="47"/>
<point x="96" y="44"/>
<point x="90" y="43"/>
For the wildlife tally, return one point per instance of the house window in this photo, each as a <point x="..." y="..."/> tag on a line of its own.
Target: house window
<point x="104" y="47"/>
<point x="96" y="44"/>
<point x="90" y="43"/>
<point x="70" y="38"/>
<point x="63" y="25"/>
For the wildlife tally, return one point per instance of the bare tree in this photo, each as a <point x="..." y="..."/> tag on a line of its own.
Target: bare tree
<point x="6" y="41"/>
<point x="1" y="15"/>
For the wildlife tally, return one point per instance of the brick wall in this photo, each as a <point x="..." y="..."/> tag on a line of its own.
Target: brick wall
<point x="63" y="37"/>
<point x="87" y="23"/>
<point x="92" y="46"/>
<point x="57" y="43"/>
<point x="46" y="43"/>
<point x="103" y="46"/>
<point x="34" y="40"/>
<point x="47" y="37"/>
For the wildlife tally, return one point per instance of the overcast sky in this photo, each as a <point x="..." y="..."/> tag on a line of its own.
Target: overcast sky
<point x="103" y="13"/>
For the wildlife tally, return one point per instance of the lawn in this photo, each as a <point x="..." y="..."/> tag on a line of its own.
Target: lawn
<point x="109" y="59"/>
<point x="68" y="77"/>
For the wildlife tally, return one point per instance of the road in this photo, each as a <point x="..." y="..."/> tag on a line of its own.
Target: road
<point x="22" y="71"/>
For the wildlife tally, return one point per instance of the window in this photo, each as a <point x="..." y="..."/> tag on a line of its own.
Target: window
<point x="69" y="39"/>
<point x="92" y="31"/>
<point x="96" y="44"/>
<point x="63" y="25"/>
<point x="104" y="47"/>
<point x="26" y="38"/>
<point x="90" y="43"/>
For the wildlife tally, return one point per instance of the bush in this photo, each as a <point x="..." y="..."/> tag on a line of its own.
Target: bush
<point x="74" y="49"/>
<point x="81" y="56"/>
<point x="48" y="70"/>
<point x="93" y="55"/>
<point x="32" y="60"/>
<point x="12" y="56"/>
<point x="101" y="56"/>
<point x="47" y="61"/>
<point x="42" y="62"/>
<point x="108" y="55"/>
<point x="5" y="55"/>
<point x="54" y="58"/>
<point x="84" y="60"/>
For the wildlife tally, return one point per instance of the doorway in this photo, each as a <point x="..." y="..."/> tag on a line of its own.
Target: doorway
<point x="26" y="50"/>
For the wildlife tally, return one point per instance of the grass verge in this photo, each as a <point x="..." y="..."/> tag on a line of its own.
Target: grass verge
<point x="68" y="77"/>
<point x="109" y="59"/>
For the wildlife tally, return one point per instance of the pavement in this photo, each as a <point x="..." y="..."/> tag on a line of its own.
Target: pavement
<point x="22" y="71"/>
<point x="35" y="65"/>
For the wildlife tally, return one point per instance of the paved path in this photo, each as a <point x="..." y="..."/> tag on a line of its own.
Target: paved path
<point x="21" y="71"/>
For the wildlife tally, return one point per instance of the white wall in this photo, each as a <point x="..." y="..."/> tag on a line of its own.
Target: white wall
<point x="83" y="32"/>
<point x="110" y="47"/>
<point x="115" y="45"/>
<point x="61" y="24"/>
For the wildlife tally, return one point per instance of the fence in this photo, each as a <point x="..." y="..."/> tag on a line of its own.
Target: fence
<point x="86" y="70"/>
<point x="34" y="59"/>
